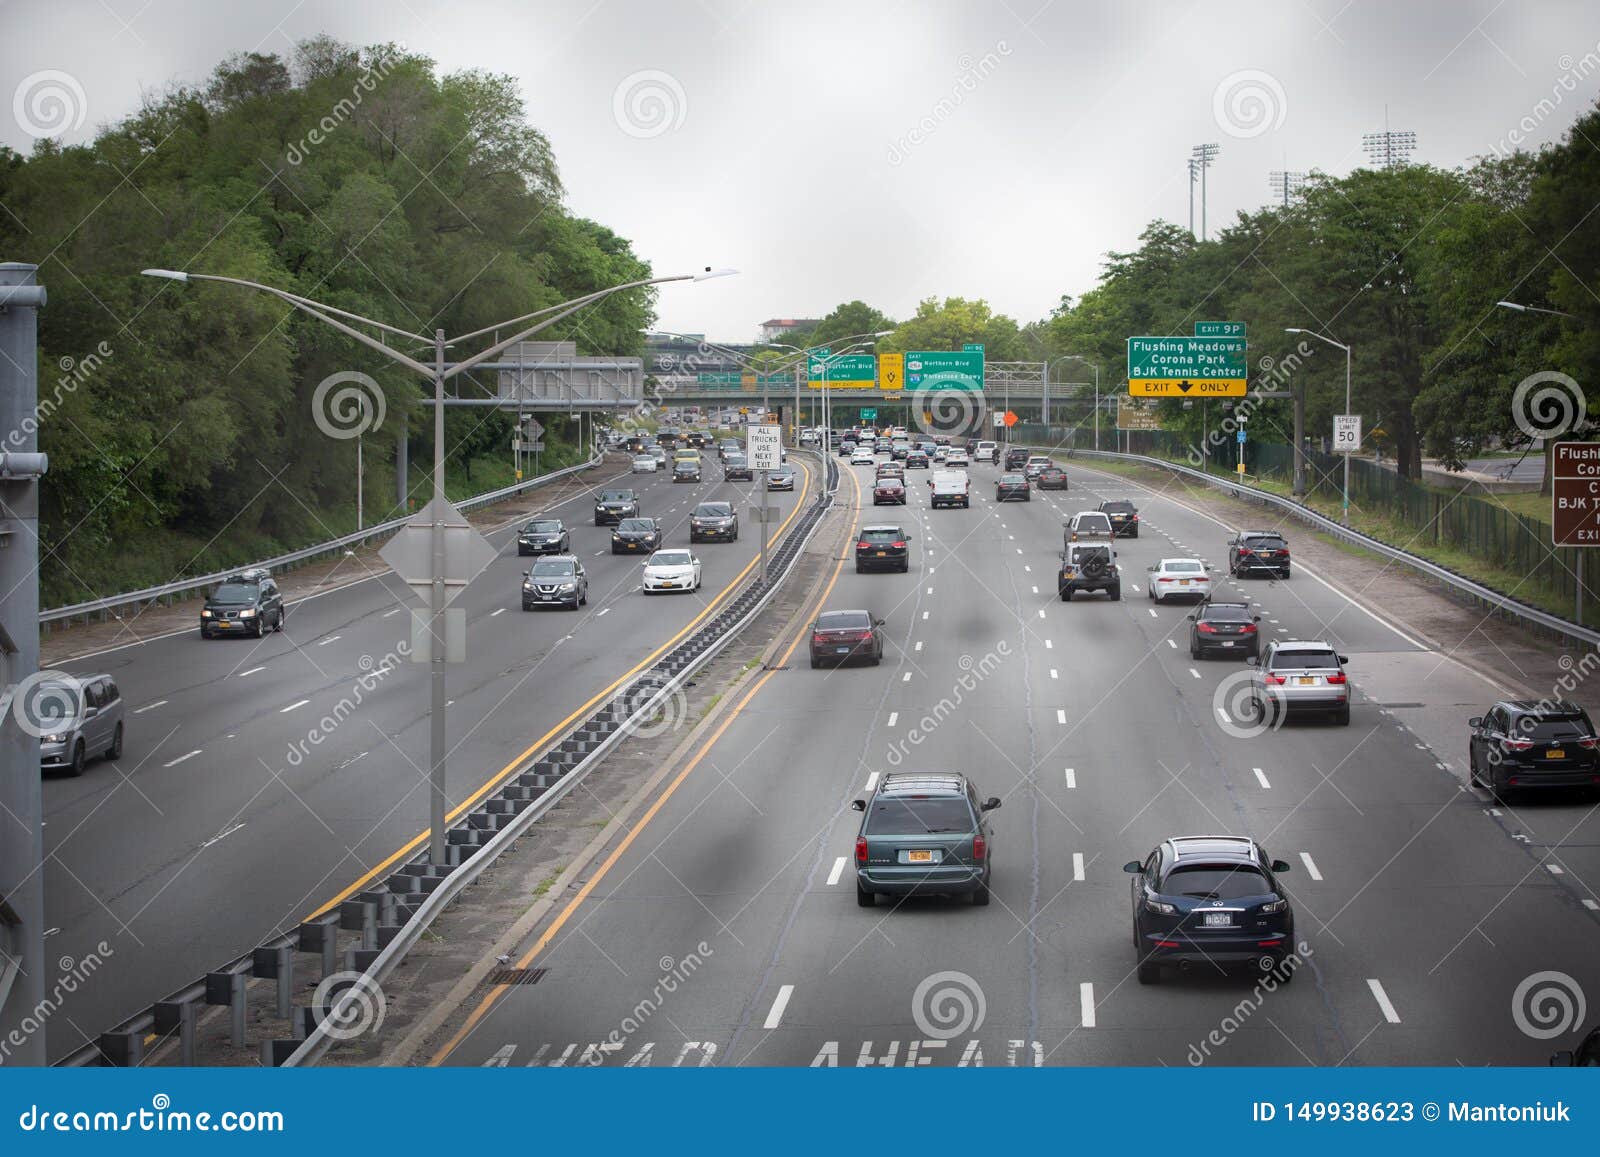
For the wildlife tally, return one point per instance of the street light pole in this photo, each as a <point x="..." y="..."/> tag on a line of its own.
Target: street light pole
<point x="1342" y="346"/>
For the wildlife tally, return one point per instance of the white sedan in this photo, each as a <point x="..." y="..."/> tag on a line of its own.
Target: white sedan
<point x="863" y="457"/>
<point x="1178" y="577"/>
<point x="957" y="460"/>
<point x="672" y="570"/>
<point x="644" y="464"/>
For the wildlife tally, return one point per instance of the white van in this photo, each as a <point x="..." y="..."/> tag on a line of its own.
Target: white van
<point x="950" y="488"/>
<point x="986" y="452"/>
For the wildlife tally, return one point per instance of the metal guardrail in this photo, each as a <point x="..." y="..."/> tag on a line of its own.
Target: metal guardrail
<point x="393" y="914"/>
<point x="186" y="587"/>
<point x="1457" y="583"/>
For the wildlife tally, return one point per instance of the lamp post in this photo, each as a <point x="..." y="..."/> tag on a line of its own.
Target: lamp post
<point x="1512" y="305"/>
<point x="438" y="374"/>
<point x="1337" y="345"/>
<point x="1096" y="369"/>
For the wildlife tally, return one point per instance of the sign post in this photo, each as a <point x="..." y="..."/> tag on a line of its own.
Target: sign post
<point x="763" y="446"/>
<point x="1346" y="441"/>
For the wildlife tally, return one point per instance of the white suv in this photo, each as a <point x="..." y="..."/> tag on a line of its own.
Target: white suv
<point x="986" y="452"/>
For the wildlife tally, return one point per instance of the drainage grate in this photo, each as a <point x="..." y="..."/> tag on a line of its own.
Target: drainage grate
<point x="517" y="976"/>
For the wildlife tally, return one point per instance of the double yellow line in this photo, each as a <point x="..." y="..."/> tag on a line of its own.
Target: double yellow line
<point x="499" y="777"/>
<point x="548" y="936"/>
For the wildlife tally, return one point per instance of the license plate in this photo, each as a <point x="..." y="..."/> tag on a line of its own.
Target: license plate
<point x="668" y="584"/>
<point x="1305" y="680"/>
<point x="1219" y="919"/>
<point x="1227" y="642"/>
<point x="919" y="856"/>
<point x="1183" y="582"/>
<point x="883" y="554"/>
<point x="1555" y="753"/>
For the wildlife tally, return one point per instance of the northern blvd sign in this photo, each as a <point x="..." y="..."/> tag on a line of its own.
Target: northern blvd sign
<point x="1575" y="493"/>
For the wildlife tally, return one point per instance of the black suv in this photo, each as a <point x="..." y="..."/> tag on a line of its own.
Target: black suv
<point x="612" y="506"/>
<point x="544" y="536"/>
<point x="714" y="521"/>
<point x="1258" y="550"/>
<point x="636" y="536"/>
<point x="736" y="468"/>
<point x="924" y="834"/>
<point x="1224" y="628"/>
<point x="248" y="604"/>
<point x="1210" y="901"/>
<point x="1088" y="566"/>
<point x="1124" y="517"/>
<point x="1522" y="745"/>
<point x="1017" y="458"/>
<point x="883" y="548"/>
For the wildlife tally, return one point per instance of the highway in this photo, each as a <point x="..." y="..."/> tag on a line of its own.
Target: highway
<point x="723" y="928"/>
<point x="263" y="780"/>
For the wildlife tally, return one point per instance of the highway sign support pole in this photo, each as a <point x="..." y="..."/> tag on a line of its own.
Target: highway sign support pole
<point x="437" y="652"/>
<point x="1347" y="456"/>
<point x="763" y="486"/>
<point x="22" y="959"/>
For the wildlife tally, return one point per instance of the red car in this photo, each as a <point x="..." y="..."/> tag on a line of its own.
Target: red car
<point x="840" y="636"/>
<point x="888" y="490"/>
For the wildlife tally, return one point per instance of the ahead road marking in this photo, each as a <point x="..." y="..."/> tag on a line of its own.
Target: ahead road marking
<point x="292" y="706"/>
<point x="1262" y="777"/>
<point x="1382" y="997"/>
<point x="242" y="674"/>
<point x="1077" y="866"/>
<point x="1086" y="1001"/>
<point x="838" y="870"/>
<point x="181" y="758"/>
<point x="1072" y="779"/>
<point x="1311" y="865"/>
<point x="149" y="707"/>
<point x="775" y="1017"/>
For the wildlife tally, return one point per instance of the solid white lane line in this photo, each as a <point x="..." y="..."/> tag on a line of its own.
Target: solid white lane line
<point x="1382" y="997"/>
<point x="1077" y="866"/>
<point x="292" y="706"/>
<point x="330" y="639"/>
<point x="181" y="758"/>
<point x="497" y="611"/>
<point x="775" y="1016"/>
<point x="838" y="870"/>
<point x="242" y="674"/>
<point x="149" y="707"/>
<point x="1072" y="779"/>
<point x="893" y="716"/>
<point x="1061" y="716"/>
<point x="872" y="782"/>
<point x="1311" y="865"/>
<point x="1261" y="776"/>
<point x="1086" y="1003"/>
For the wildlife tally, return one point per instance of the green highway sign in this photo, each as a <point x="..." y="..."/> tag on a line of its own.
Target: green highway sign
<point x="855" y="371"/>
<point x="869" y="413"/>
<point x="939" y="370"/>
<point x="1160" y="367"/>
<point x="741" y="379"/>
<point x="1219" y="329"/>
<point x="973" y="347"/>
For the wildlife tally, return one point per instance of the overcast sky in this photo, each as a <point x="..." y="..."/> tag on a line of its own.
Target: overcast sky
<point x="892" y="151"/>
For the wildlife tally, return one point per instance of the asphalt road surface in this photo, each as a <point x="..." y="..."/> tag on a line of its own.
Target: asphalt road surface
<point x="263" y="780"/>
<point x="726" y="930"/>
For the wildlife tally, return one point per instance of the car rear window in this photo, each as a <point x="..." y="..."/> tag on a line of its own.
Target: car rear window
<point x="1216" y="882"/>
<point x="1222" y="614"/>
<point x="909" y="815"/>
<point x="1118" y="507"/>
<point x="1265" y="544"/>
<point x="881" y="535"/>
<point x="844" y="621"/>
<point x="1183" y="567"/>
<point x="1555" y="727"/>
<point x="1309" y="660"/>
<point x="1012" y="479"/>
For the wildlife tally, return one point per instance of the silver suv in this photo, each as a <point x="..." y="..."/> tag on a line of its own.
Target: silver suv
<point x="1294" y="676"/>
<point x="94" y="731"/>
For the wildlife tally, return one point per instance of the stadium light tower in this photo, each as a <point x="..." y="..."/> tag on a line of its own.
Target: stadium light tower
<point x="1390" y="148"/>
<point x="1200" y="158"/>
<point x="1286" y="183"/>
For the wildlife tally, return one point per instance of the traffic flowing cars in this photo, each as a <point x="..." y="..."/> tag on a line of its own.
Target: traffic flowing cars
<point x="1035" y="466"/>
<point x="714" y="522"/>
<point x="1253" y="551"/>
<point x="899" y="448"/>
<point x="1178" y="578"/>
<point x="1086" y="524"/>
<point x="1012" y="487"/>
<point x="250" y="603"/>
<point x="612" y="506"/>
<point x="1124" y="517"/>
<point x="924" y="833"/>
<point x="861" y="457"/>
<point x="957" y="460"/>
<point x="891" y="470"/>
<point x="917" y="459"/>
<point x="687" y="470"/>
<point x="986" y="451"/>
<point x="92" y="730"/>
<point x="1294" y="677"/>
<point x="781" y="479"/>
<point x="659" y="455"/>
<point x="844" y="636"/>
<point x="643" y="464"/>
<point x="736" y="468"/>
<point x="544" y="536"/>
<point x="1016" y="458"/>
<point x="1088" y="566"/>
<point x="848" y="447"/>
<point x="949" y="488"/>
<point x="1224" y="628"/>
<point x="637" y="536"/>
<point x="888" y="490"/>
<point x="556" y="581"/>
<point x="883" y="548"/>
<point x="1052" y="478"/>
<point x="675" y="569"/>
<point x="1210" y="902"/>
<point x="1521" y="745"/>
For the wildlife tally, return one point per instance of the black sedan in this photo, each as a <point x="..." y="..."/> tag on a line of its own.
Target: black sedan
<point x="544" y="536"/>
<point x="1524" y="745"/>
<point x="883" y="548"/>
<point x="714" y="522"/>
<point x="1206" y="902"/>
<point x="845" y="636"/>
<point x="1224" y="629"/>
<point x="1012" y="488"/>
<point x="1052" y="478"/>
<point x="636" y="536"/>
<point x="687" y="470"/>
<point x="736" y="468"/>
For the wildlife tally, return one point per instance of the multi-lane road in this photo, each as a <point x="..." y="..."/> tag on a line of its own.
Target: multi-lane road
<point x="725" y="929"/>
<point x="264" y="780"/>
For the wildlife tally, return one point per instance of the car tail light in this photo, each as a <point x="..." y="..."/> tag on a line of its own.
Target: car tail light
<point x="861" y="849"/>
<point x="1133" y="518"/>
<point x="1336" y="677"/>
<point x="1243" y="552"/>
<point x="1205" y="628"/>
<point x="1247" y="628"/>
<point x="980" y="847"/>
<point x="1269" y="943"/>
<point x="1517" y="744"/>
<point x="898" y="545"/>
<point x="865" y="636"/>
<point x="1274" y="679"/>
<point x="1165" y="580"/>
<point x="1589" y="744"/>
<point x="1283" y="554"/>
<point x="818" y="637"/>
<point x="1166" y="944"/>
<point x="863" y="545"/>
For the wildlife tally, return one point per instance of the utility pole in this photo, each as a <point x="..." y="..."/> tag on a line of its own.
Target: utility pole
<point x="1201" y="159"/>
<point x="22" y="959"/>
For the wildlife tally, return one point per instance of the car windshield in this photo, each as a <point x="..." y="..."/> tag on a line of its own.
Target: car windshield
<point x="909" y="816"/>
<point x="1117" y="507"/>
<point x="1217" y="882"/>
<point x="713" y="510"/>
<point x="1554" y="727"/>
<point x="642" y="525"/>
<point x="616" y="496"/>
<point x="1182" y="566"/>
<point x="890" y="482"/>
<point x="1011" y="479"/>
<point x="552" y="568"/>
<point x="881" y="534"/>
<point x="236" y="593"/>
<point x="844" y="621"/>
<point x="1226" y="614"/>
<point x="670" y="558"/>
<point x="543" y="526"/>
<point x="1307" y="660"/>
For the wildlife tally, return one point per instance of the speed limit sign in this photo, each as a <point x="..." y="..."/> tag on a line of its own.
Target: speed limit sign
<point x="1346" y="433"/>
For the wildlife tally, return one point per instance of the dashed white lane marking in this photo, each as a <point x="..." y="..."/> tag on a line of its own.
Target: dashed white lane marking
<point x="602" y="611"/>
<point x="838" y="870"/>
<point x="893" y="716"/>
<point x="330" y="639"/>
<point x="181" y="758"/>
<point x="872" y="782"/>
<point x="1134" y="587"/>
<point x="1048" y="645"/>
<point x="396" y="611"/>
<point x="1061" y="715"/>
<point x="924" y="614"/>
<point x="497" y="611"/>
<point x="1041" y="612"/>
<point x="918" y="647"/>
<point x="1054" y="674"/>
<point x="1193" y="672"/>
<point x="1027" y="568"/>
<point x="1153" y="614"/>
<point x="1555" y="869"/>
<point x="1077" y="866"/>
<point x="1311" y="865"/>
<point x="149" y="707"/>
<point x="1592" y="905"/>
<point x="1382" y="997"/>
<point x="906" y="678"/>
<point x="242" y="674"/>
<point x="1086" y="1003"/>
<point x="930" y="590"/>
<point x="1172" y="643"/>
<point x="223" y="834"/>
<point x="1261" y="777"/>
<point x="1225" y="717"/>
<point x="775" y="1016"/>
<point x="1019" y="550"/>
<point x="1072" y="779"/>
<point x="598" y="553"/>
<point x="292" y="706"/>
<point x="1035" y="590"/>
